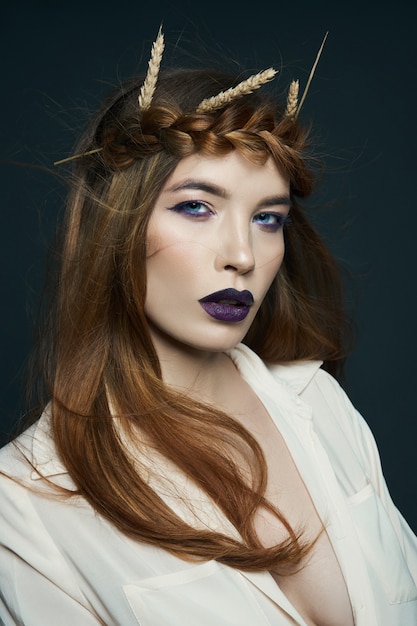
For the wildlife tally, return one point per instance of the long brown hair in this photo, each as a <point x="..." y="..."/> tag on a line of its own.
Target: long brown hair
<point x="100" y="344"/>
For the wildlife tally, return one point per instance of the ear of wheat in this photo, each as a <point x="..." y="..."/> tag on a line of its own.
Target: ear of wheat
<point x="149" y="84"/>
<point x="243" y="88"/>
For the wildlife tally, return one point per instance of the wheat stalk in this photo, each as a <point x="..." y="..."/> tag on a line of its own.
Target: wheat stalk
<point x="149" y="84"/>
<point x="78" y="156"/>
<point x="243" y="88"/>
<point x="310" y="78"/>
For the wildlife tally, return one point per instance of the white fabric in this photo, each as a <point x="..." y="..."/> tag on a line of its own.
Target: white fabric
<point x="61" y="563"/>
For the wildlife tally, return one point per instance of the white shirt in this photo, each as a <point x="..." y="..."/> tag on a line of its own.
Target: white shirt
<point x="61" y="563"/>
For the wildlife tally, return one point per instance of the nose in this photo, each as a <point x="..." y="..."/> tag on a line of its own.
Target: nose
<point x="235" y="249"/>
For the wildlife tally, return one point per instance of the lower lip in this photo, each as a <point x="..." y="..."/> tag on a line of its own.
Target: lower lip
<point x="225" y="312"/>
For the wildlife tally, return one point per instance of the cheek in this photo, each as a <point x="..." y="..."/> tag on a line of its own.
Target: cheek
<point x="275" y="267"/>
<point x="171" y="260"/>
<point x="154" y="243"/>
<point x="270" y="257"/>
<point x="268" y="273"/>
<point x="173" y="248"/>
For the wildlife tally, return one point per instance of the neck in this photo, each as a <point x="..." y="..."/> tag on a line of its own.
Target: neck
<point x="200" y="373"/>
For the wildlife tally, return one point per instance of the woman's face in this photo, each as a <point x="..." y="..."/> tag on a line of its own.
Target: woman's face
<point x="215" y="244"/>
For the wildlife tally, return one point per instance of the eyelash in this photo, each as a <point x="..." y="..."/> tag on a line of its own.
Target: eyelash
<point x="186" y="208"/>
<point x="281" y="221"/>
<point x="192" y="208"/>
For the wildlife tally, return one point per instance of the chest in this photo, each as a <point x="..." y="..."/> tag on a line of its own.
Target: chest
<point x="318" y="589"/>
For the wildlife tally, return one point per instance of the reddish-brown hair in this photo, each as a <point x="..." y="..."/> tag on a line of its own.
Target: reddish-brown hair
<point x="101" y="347"/>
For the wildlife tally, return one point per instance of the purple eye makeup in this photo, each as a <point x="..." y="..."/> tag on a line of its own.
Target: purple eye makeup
<point x="192" y="208"/>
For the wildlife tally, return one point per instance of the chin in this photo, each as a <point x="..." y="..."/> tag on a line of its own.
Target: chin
<point x="218" y="344"/>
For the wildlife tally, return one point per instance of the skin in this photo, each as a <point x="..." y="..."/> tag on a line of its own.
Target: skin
<point x="202" y="240"/>
<point x="217" y="224"/>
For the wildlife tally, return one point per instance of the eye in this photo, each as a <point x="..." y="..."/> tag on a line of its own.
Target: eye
<point x="192" y="208"/>
<point x="271" y="221"/>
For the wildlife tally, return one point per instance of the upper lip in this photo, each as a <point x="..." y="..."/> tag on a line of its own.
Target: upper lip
<point x="231" y="296"/>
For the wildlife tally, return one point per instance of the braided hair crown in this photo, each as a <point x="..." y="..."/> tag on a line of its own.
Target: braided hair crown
<point x="171" y="114"/>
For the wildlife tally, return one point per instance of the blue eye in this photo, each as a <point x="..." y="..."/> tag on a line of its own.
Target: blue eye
<point x="193" y="208"/>
<point x="271" y="221"/>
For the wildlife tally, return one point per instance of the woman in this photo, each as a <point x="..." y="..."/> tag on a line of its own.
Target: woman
<point x="195" y="463"/>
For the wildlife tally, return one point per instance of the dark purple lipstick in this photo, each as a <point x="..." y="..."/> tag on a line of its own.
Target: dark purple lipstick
<point x="228" y="305"/>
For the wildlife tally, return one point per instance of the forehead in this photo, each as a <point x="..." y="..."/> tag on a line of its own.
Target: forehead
<point x="229" y="173"/>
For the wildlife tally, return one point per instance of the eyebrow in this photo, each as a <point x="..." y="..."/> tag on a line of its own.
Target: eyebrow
<point x="201" y="185"/>
<point x="216" y="190"/>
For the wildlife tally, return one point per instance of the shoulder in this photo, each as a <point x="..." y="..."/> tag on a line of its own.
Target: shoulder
<point x="306" y="381"/>
<point x="340" y="427"/>
<point x="31" y="456"/>
<point x="31" y="479"/>
<point x="318" y="388"/>
<point x="16" y="457"/>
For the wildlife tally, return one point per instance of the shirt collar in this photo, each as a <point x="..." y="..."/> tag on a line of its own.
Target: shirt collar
<point x="45" y="459"/>
<point x="294" y="374"/>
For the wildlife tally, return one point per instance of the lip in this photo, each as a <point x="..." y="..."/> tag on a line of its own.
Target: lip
<point x="228" y="305"/>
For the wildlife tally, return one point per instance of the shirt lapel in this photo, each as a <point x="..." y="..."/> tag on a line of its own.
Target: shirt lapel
<point x="265" y="583"/>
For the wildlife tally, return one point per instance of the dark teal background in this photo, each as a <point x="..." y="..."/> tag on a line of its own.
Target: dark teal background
<point x="58" y="60"/>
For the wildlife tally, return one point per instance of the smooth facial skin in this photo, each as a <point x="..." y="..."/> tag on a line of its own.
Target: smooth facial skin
<point x="217" y="225"/>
